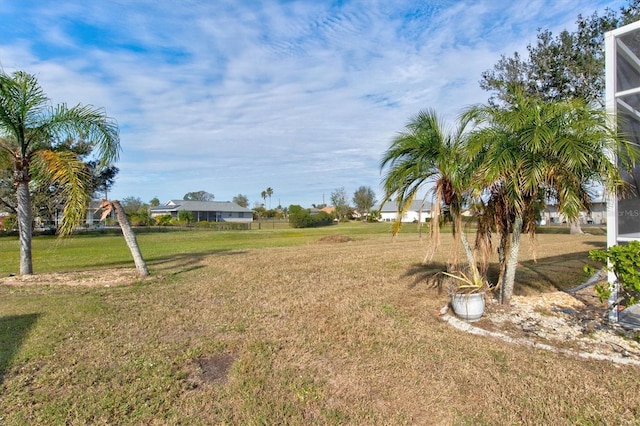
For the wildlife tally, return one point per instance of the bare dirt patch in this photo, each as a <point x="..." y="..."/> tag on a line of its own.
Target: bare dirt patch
<point x="214" y="369"/>
<point x="92" y="278"/>
<point x="335" y="239"/>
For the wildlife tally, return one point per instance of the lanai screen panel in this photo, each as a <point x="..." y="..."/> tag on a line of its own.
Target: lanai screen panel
<point x="623" y="97"/>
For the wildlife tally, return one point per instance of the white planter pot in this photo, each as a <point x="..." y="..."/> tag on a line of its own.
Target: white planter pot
<point x="469" y="307"/>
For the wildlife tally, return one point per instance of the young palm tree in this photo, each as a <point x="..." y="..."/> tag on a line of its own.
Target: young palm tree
<point x="129" y="236"/>
<point x="429" y="154"/>
<point x="31" y="132"/>
<point x="537" y="150"/>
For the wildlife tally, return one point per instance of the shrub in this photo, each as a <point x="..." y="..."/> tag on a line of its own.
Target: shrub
<point x="304" y="219"/>
<point x="624" y="262"/>
<point x="300" y="219"/>
<point x="141" y="219"/>
<point x="185" y="216"/>
<point x="374" y="216"/>
<point x="322" y="218"/>
<point x="164" y="220"/>
<point x="10" y="222"/>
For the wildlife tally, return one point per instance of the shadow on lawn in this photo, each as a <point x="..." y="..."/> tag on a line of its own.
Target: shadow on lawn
<point x="429" y="274"/>
<point x="546" y="274"/>
<point x="13" y="331"/>
<point x="180" y="263"/>
<point x="554" y="273"/>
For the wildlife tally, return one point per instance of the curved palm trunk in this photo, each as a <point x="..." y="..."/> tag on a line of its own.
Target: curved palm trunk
<point x="24" y="227"/>
<point x="512" y="261"/>
<point x="130" y="238"/>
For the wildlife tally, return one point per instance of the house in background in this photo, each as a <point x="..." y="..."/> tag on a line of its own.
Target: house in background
<point x="209" y="211"/>
<point x="415" y="213"/>
<point x="52" y="216"/>
<point x="328" y="209"/>
<point x="596" y="216"/>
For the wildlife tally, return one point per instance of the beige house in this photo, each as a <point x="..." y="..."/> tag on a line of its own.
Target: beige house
<point x="597" y="216"/>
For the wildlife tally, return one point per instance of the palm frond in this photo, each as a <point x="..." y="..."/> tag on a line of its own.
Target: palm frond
<point x="65" y="169"/>
<point x="89" y="123"/>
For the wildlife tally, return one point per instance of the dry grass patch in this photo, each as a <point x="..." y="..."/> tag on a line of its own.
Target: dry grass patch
<point x="335" y="239"/>
<point x="314" y="334"/>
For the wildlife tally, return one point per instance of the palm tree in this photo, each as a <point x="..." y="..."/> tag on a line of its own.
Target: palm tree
<point x="269" y="192"/>
<point x="427" y="153"/>
<point x="129" y="236"/>
<point x="533" y="151"/>
<point x="263" y="195"/>
<point x="30" y="135"/>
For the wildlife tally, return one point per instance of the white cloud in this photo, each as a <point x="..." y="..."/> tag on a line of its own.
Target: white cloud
<point x="232" y="97"/>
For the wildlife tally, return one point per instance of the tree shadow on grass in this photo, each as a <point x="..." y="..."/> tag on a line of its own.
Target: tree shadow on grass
<point x="546" y="274"/>
<point x="181" y="263"/>
<point x="429" y="274"/>
<point x="171" y="263"/>
<point x="554" y="273"/>
<point x="13" y="330"/>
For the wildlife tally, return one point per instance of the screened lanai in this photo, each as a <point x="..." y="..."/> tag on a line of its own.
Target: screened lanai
<point x="623" y="101"/>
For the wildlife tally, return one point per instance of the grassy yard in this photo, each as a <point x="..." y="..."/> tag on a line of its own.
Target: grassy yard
<point x="271" y="326"/>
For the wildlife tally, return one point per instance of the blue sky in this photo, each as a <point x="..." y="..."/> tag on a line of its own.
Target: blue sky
<point x="236" y="96"/>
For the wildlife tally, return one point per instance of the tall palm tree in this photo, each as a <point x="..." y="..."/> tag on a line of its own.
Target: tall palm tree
<point x="426" y="154"/>
<point x="31" y="131"/>
<point x="269" y="192"/>
<point x="533" y="151"/>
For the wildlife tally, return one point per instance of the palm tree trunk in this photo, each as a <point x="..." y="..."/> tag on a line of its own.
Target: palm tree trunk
<point x="130" y="238"/>
<point x="467" y="250"/>
<point x="574" y="227"/>
<point x="502" y="256"/>
<point x="512" y="261"/>
<point x="24" y="227"/>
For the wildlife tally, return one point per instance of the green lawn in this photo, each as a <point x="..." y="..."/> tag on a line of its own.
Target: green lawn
<point x="100" y="250"/>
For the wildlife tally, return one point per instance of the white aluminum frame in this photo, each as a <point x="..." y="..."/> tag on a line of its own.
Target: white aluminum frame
<point x="614" y="46"/>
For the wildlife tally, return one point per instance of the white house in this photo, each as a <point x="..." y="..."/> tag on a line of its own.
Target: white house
<point x="415" y="213"/>
<point x="210" y="211"/>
